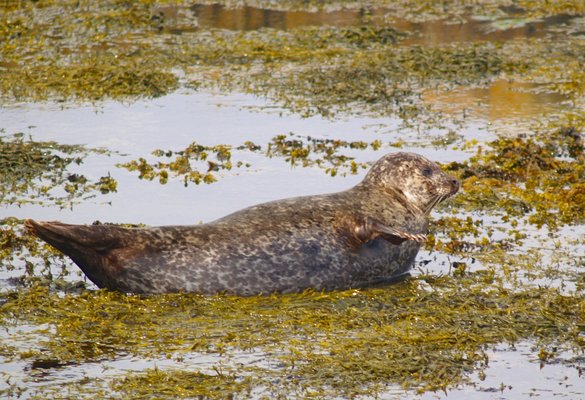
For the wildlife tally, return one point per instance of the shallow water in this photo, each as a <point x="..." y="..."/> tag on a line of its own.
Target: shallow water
<point x="173" y="121"/>
<point x="135" y="130"/>
<point x="500" y="103"/>
<point x="515" y="373"/>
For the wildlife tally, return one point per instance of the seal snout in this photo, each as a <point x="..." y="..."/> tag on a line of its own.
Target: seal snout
<point x="455" y="185"/>
<point x="448" y="187"/>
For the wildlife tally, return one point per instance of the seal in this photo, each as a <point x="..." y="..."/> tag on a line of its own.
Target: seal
<point x="366" y="235"/>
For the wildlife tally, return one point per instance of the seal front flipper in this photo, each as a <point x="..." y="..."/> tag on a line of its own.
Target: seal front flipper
<point x="393" y="234"/>
<point x="369" y="229"/>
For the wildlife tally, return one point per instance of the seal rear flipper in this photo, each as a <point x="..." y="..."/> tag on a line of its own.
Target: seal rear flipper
<point x="370" y="229"/>
<point x="88" y="246"/>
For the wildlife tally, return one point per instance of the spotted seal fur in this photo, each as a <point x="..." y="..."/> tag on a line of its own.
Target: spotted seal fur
<point x="355" y="238"/>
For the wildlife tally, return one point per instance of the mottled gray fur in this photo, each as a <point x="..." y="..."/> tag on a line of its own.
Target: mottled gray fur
<point x="355" y="238"/>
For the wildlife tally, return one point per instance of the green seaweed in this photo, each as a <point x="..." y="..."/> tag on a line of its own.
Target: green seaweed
<point x="336" y="344"/>
<point x="294" y="149"/>
<point x="181" y="384"/>
<point x="541" y="177"/>
<point x="38" y="172"/>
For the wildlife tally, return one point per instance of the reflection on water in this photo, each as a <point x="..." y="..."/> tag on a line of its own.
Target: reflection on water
<point x="477" y="29"/>
<point x="434" y="32"/>
<point x="178" y="19"/>
<point x="250" y="18"/>
<point x="501" y="101"/>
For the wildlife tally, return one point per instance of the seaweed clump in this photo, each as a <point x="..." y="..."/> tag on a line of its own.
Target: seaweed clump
<point x="216" y="157"/>
<point x="541" y="177"/>
<point x="80" y="51"/>
<point x="294" y="149"/>
<point x="38" y="173"/>
<point x="181" y="384"/>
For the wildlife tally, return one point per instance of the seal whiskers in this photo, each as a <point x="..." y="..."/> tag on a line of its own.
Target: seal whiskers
<point x="355" y="238"/>
<point x="436" y="200"/>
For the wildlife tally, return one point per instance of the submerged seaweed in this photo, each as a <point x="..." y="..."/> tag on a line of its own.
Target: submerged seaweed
<point x="340" y="343"/>
<point x="39" y="172"/>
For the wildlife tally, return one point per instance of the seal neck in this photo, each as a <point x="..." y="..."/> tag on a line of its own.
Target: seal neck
<point x="386" y="192"/>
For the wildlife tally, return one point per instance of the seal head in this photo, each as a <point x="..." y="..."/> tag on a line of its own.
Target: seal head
<point x="412" y="177"/>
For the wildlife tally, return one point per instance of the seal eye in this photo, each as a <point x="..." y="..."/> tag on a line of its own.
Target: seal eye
<point x="427" y="172"/>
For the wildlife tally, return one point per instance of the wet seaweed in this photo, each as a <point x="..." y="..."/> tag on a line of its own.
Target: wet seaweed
<point x="30" y="260"/>
<point x="426" y="334"/>
<point x="322" y="153"/>
<point x="294" y="149"/>
<point x="184" y="164"/>
<point x="79" y="51"/>
<point x="382" y="80"/>
<point x="541" y="177"/>
<point x="40" y="173"/>
<point x="182" y="384"/>
<point x="122" y="51"/>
